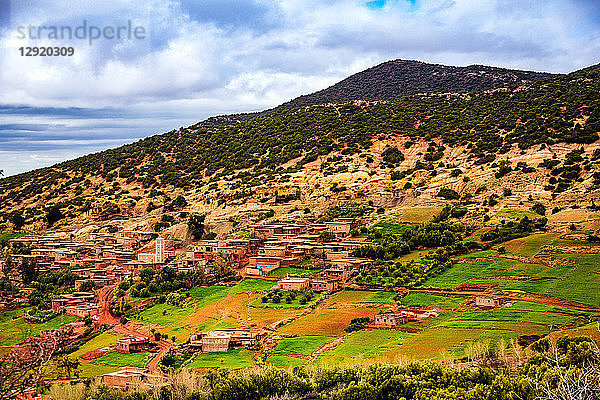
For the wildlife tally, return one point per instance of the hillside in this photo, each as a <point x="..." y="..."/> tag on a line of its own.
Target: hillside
<point x="410" y="146"/>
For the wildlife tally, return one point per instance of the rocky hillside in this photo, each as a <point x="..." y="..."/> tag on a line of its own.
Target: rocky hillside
<point x="536" y="138"/>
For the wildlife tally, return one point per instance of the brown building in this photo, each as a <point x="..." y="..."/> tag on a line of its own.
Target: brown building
<point x="489" y="301"/>
<point x="223" y="340"/>
<point x="133" y="344"/>
<point x="390" y="319"/>
<point x="293" y="284"/>
<point x="325" y="285"/>
<point x="131" y="377"/>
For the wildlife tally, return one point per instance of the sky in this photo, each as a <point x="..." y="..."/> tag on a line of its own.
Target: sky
<point x="177" y="62"/>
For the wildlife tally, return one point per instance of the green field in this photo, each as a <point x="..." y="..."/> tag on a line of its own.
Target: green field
<point x="207" y="295"/>
<point x="286" y="361"/>
<point x="363" y="346"/>
<point x="381" y="297"/>
<point x="282" y="272"/>
<point x="516" y="214"/>
<point x="91" y="370"/>
<point x="233" y="359"/>
<point x="431" y="300"/>
<point x="251" y="285"/>
<point x="104" y="339"/>
<point x="391" y="227"/>
<point x="12" y="235"/>
<point x="164" y="314"/>
<point x="123" y="360"/>
<point x="303" y="345"/>
<point x="14" y="328"/>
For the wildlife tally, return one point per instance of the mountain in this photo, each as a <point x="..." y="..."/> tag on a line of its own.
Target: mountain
<point x="537" y="136"/>
<point x="394" y="79"/>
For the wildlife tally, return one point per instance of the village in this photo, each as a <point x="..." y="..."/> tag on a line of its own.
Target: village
<point x="106" y="259"/>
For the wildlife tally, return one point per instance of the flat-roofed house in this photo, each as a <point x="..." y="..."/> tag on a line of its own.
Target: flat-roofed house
<point x="325" y="285"/>
<point x="133" y="344"/>
<point x="131" y="377"/>
<point x="489" y="301"/>
<point x="390" y="319"/>
<point x="293" y="284"/>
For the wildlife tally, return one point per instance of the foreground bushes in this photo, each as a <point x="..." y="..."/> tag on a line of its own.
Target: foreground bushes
<point x="570" y="366"/>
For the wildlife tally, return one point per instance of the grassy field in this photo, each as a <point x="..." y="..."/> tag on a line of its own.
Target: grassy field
<point x="251" y="285"/>
<point x="286" y="361"/>
<point x="14" y="328"/>
<point x="363" y="347"/>
<point x="381" y="297"/>
<point x="91" y="370"/>
<point x="282" y="272"/>
<point x="206" y="295"/>
<point x="327" y="321"/>
<point x="12" y="235"/>
<point x="303" y="345"/>
<point x="104" y="339"/>
<point x="123" y="360"/>
<point x="164" y="314"/>
<point x="431" y="300"/>
<point x="576" y="282"/>
<point x="529" y="245"/>
<point x="460" y="274"/>
<point x="513" y="213"/>
<point x="233" y="359"/>
<point x="391" y="227"/>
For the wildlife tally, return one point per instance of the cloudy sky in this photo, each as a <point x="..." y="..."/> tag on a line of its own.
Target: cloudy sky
<point x="195" y="59"/>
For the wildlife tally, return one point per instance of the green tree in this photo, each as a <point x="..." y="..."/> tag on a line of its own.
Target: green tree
<point x="196" y="225"/>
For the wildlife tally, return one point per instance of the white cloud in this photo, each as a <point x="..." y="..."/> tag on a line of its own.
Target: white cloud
<point x="199" y="61"/>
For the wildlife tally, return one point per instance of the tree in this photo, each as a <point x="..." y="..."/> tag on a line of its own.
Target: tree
<point x="22" y="368"/>
<point x="326" y="236"/>
<point x="29" y="270"/>
<point x="53" y="215"/>
<point x="87" y="286"/>
<point x="539" y="209"/>
<point x="67" y="367"/>
<point x="196" y="225"/>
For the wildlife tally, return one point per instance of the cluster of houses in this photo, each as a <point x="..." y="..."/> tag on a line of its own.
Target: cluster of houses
<point x="102" y="258"/>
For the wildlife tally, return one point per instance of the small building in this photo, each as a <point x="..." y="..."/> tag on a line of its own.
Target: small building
<point x="133" y="344"/>
<point x="325" y="285"/>
<point x="222" y="340"/>
<point x="391" y="319"/>
<point x="131" y="377"/>
<point x="489" y="301"/>
<point x="293" y="284"/>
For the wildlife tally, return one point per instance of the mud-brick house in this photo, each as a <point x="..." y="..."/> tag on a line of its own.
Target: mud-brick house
<point x="267" y="230"/>
<point x="223" y="340"/>
<point x="325" y="285"/>
<point x="131" y="377"/>
<point x="133" y="344"/>
<point x="341" y="227"/>
<point x="489" y="301"/>
<point x="390" y="320"/>
<point x="293" y="284"/>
